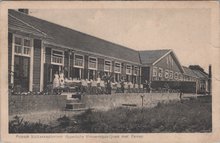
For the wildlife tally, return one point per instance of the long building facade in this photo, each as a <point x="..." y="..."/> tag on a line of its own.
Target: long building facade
<point x="38" y="49"/>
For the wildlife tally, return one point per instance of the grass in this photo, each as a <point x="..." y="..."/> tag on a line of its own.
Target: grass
<point x="188" y="116"/>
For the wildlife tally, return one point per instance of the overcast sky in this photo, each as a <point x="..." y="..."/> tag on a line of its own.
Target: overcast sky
<point x="186" y="31"/>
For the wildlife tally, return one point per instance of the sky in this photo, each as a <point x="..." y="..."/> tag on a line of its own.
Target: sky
<point x="186" y="31"/>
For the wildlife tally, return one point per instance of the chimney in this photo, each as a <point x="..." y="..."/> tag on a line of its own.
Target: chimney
<point x="210" y="71"/>
<point x="24" y="10"/>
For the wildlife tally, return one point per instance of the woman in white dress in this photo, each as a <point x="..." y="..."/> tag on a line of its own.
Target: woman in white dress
<point x="56" y="82"/>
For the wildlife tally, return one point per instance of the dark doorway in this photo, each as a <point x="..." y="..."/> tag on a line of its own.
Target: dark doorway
<point x="21" y="73"/>
<point x="76" y="73"/>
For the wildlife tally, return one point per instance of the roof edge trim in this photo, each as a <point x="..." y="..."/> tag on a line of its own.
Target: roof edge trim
<point x="162" y="57"/>
<point x="93" y="53"/>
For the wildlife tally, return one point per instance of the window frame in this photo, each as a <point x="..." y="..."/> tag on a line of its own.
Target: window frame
<point x="154" y="72"/>
<point x="176" y="75"/>
<point x="171" y="75"/>
<point x="96" y="63"/>
<point x="160" y="74"/>
<point x="74" y="62"/>
<point x="136" y="67"/>
<point x="167" y="74"/>
<point x="180" y="76"/>
<point x="128" y="65"/>
<point x="22" y="45"/>
<point x="54" y="63"/>
<point x="109" y="65"/>
<point x="117" y="67"/>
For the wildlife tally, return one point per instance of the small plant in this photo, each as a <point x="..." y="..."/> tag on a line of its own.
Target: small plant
<point x="64" y="121"/>
<point x="18" y="125"/>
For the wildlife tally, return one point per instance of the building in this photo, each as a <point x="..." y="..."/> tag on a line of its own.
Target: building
<point x="37" y="49"/>
<point x="201" y="79"/>
<point x="160" y="65"/>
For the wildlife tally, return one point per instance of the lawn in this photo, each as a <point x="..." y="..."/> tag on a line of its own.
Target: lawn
<point x="188" y="116"/>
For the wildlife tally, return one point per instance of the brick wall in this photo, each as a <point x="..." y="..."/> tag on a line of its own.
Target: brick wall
<point x="35" y="103"/>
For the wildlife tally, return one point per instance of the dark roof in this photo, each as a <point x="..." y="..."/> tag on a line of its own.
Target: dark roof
<point x="200" y="74"/>
<point x="150" y="56"/>
<point x="189" y="72"/>
<point x="14" y="23"/>
<point x="77" y="40"/>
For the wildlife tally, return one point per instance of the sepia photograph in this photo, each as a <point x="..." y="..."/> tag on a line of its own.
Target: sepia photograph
<point x="115" y="70"/>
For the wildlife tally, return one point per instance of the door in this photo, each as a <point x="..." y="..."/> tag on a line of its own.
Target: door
<point x="21" y="73"/>
<point x="76" y="73"/>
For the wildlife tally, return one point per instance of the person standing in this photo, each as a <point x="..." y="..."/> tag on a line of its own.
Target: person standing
<point x="145" y="86"/>
<point x="56" y="82"/>
<point x="122" y="86"/>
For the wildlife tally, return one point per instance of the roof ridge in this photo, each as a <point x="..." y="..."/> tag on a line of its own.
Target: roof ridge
<point x="155" y="50"/>
<point x="76" y="31"/>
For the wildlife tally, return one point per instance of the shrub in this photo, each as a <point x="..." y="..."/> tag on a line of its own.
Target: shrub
<point x="18" y="125"/>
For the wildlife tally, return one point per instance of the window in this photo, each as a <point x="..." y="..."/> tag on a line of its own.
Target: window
<point x="92" y="63"/>
<point x="22" y="46"/>
<point x="176" y="76"/>
<point x="160" y="72"/>
<point x="78" y="61"/>
<point x="117" y="68"/>
<point x="166" y="74"/>
<point x="136" y="70"/>
<point x="108" y="66"/>
<point x="171" y="74"/>
<point x="27" y="45"/>
<point x="57" y="57"/>
<point x="154" y="71"/>
<point x="128" y="69"/>
<point x="180" y="76"/>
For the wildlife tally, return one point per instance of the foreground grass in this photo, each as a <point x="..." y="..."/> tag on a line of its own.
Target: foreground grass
<point x="188" y="116"/>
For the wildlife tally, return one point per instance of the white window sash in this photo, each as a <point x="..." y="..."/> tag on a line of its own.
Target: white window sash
<point x="78" y="62"/>
<point x="92" y="63"/>
<point x="128" y="69"/>
<point x="22" y="46"/>
<point x="154" y="71"/>
<point x="107" y="66"/>
<point x="117" y="68"/>
<point x="166" y="74"/>
<point x="136" y="70"/>
<point x="57" y="59"/>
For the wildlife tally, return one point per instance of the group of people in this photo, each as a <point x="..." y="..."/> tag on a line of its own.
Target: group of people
<point x="58" y="80"/>
<point x="100" y="85"/>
